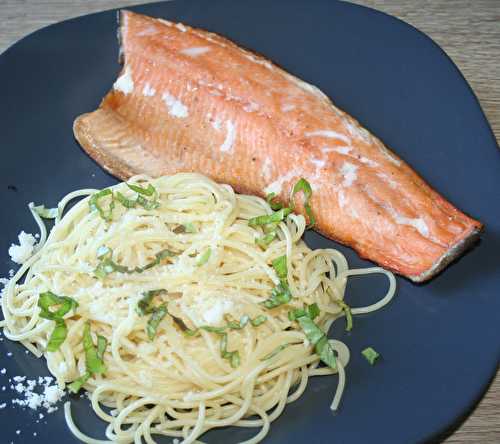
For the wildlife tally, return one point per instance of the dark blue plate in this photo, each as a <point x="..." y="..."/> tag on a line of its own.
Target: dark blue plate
<point x="439" y="341"/>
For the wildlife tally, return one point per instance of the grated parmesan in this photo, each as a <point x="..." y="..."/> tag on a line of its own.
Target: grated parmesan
<point x="22" y="252"/>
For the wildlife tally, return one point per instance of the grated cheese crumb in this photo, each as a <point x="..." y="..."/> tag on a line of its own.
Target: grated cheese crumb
<point x="22" y="252"/>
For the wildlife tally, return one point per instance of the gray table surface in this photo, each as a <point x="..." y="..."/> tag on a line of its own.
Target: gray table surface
<point x="468" y="30"/>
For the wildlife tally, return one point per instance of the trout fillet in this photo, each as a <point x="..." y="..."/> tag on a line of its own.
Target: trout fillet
<point x="189" y="100"/>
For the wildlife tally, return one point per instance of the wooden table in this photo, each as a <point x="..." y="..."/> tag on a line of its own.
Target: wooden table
<point x="469" y="31"/>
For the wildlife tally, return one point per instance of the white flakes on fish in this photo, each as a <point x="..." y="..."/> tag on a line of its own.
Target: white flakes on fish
<point x="195" y="51"/>
<point x="148" y="90"/>
<point x="227" y="146"/>
<point x="175" y="107"/>
<point x="125" y="83"/>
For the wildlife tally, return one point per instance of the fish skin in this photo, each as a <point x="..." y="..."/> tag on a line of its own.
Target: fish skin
<point x="239" y="119"/>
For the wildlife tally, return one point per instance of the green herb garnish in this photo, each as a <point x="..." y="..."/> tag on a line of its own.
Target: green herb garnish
<point x="275" y="352"/>
<point x="280" y="266"/>
<point x="144" y="305"/>
<point x="94" y="358"/>
<point x="154" y="321"/>
<point x="258" y="320"/>
<point x="106" y="214"/>
<point x="280" y="295"/>
<point x="107" y="265"/>
<point x="314" y="334"/>
<point x="370" y="354"/>
<point x="265" y="219"/>
<point x="149" y="191"/>
<point x="274" y="205"/>
<point x="62" y="306"/>
<point x="233" y="357"/>
<point x="265" y="240"/>
<point x="203" y="259"/>
<point x="304" y="186"/>
<point x="348" y="313"/>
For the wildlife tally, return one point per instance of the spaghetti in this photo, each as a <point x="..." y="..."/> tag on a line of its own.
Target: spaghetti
<point x="182" y="306"/>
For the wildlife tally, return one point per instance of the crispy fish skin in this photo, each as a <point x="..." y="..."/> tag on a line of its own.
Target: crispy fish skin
<point x="192" y="101"/>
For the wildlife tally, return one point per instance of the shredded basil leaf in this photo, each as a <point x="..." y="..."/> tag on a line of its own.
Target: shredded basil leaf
<point x="370" y="354"/>
<point x="49" y="300"/>
<point x="275" y="352"/>
<point x="258" y="320"/>
<point x="313" y="310"/>
<point x="94" y="205"/>
<point x="58" y="336"/>
<point x="293" y="315"/>
<point x="274" y="205"/>
<point x="265" y="240"/>
<point x="304" y="186"/>
<point x="77" y="384"/>
<point x="154" y="321"/>
<point x="46" y="213"/>
<point x="233" y="325"/>
<point x="149" y="191"/>
<point x="203" y="259"/>
<point x="210" y="329"/>
<point x="265" y="219"/>
<point x="102" y="343"/>
<point x="93" y="362"/>
<point x="280" y="266"/>
<point x="317" y="337"/>
<point x="144" y="304"/>
<point x="185" y="228"/>
<point x="233" y="357"/>
<point x="147" y="204"/>
<point x="348" y="314"/>
<point x="279" y="296"/>
<point x="189" y="332"/>
<point x="107" y="265"/>
<point x="126" y="202"/>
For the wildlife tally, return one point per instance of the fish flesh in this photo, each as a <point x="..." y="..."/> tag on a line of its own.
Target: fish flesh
<point x="193" y="101"/>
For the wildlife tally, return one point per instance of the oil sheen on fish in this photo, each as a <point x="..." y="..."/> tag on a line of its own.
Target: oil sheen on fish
<point x="190" y="100"/>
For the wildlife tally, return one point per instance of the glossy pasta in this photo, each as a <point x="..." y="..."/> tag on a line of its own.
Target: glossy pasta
<point x="221" y="356"/>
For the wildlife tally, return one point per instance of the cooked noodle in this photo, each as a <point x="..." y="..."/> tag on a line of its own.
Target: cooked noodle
<point x="179" y="385"/>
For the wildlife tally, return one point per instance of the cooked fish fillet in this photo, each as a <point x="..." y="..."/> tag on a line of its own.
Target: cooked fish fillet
<point x="190" y="100"/>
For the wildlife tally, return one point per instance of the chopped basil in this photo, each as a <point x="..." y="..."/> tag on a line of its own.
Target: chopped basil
<point x="233" y="325"/>
<point x="313" y="333"/>
<point x="265" y="219"/>
<point x="265" y="240"/>
<point x="62" y="305"/>
<point x="304" y="186"/>
<point x="258" y="320"/>
<point x="149" y="191"/>
<point x="210" y="329"/>
<point x="49" y="300"/>
<point x="93" y="362"/>
<point x="58" y="336"/>
<point x="77" y="384"/>
<point x="279" y="296"/>
<point x="274" y="205"/>
<point x="280" y="266"/>
<point x="102" y="343"/>
<point x="233" y="356"/>
<point x="189" y="332"/>
<point x="127" y="203"/>
<point x="46" y="213"/>
<point x="275" y="352"/>
<point x="144" y="305"/>
<point x="348" y="314"/>
<point x="317" y="337"/>
<point x="203" y="259"/>
<point x="370" y="354"/>
<point x="154" y="321"/>
<point x="313" y="310"/>
<point x="147" y="204"/>
<point x="107" y="265"/>
<point x="94" y="205"/>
